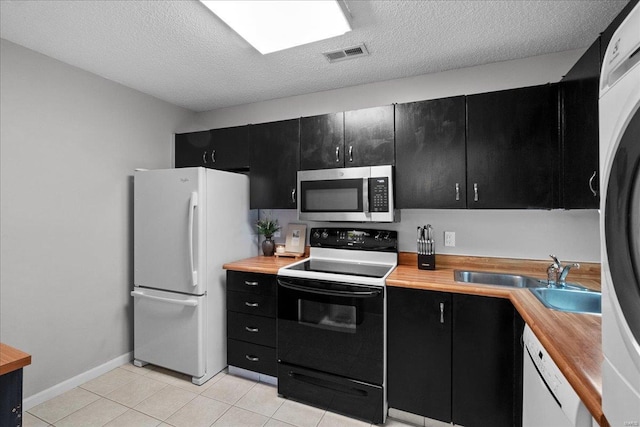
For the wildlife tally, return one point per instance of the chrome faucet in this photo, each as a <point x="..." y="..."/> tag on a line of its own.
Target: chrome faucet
<point x="557" y="273"/>
<point x="564" y="272"/>
<point x="553" y="272"/>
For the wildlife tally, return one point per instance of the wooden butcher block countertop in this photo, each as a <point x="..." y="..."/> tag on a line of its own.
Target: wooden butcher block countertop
<point x="572" y="340"/>
<point x="12" y="359"/>
<point x="260" y="264"/>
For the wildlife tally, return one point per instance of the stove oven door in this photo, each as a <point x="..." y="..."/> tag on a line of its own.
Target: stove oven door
<point x="331" y="346"/>
<point x="331" y="327"/>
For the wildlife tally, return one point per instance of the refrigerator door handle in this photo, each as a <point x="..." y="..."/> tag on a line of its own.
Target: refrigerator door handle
<point x="193" y="203"/>
<point x="187" y="302"/>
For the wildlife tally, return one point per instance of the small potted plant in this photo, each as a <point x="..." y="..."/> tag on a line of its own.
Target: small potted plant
<point x="267" y="227"/>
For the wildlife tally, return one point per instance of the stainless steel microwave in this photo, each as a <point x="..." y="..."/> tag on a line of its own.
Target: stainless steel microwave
<point x="363" y="194"/>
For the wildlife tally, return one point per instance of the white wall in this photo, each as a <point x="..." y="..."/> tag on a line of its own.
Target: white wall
<point x="69" y="142"/>
<point x="571" y="235"/>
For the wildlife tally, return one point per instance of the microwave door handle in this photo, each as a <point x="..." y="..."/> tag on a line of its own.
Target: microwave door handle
<point x="329" y="292"/>
<point x="365" y="195"/>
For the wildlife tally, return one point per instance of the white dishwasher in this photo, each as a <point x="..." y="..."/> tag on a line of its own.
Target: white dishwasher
<point x="548" y="400"/>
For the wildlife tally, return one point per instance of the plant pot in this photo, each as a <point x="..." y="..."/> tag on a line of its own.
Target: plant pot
<point x="268" y="246"/>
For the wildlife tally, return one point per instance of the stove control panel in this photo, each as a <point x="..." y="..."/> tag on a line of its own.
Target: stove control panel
<point x="355" y="238"/>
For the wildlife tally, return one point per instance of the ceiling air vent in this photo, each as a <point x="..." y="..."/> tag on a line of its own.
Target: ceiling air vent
<point x="346" y="53"/>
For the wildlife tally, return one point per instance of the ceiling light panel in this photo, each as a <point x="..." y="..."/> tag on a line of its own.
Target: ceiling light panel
<point x="270" y="26"/>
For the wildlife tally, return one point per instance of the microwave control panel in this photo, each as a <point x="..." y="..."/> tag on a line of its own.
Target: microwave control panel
<point x="379" y="194"/>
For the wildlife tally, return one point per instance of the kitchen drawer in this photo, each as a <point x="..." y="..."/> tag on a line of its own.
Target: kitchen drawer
<point x="254" y="329"/>
<point x="254" y="357"/>
<point x="255" y="283"/>
<point x="244" y="302"/>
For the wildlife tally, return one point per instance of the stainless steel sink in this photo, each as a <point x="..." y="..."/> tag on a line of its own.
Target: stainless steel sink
<point x="499" y="279"/>
<point x="570" y="300"/>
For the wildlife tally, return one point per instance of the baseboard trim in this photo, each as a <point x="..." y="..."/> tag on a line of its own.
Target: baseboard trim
<point x="74" y="382"/>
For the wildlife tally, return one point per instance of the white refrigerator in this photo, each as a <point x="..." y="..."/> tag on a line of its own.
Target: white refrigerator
<point x="187" y="223"/>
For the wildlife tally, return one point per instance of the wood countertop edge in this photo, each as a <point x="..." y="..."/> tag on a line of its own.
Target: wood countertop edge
<point x="581" y="366"/>
<point x="12" y="359"/>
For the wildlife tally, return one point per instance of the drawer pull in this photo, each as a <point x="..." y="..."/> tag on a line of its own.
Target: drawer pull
<point x="252" y="358"/>
<point x="251" y="283"/>
<point x="250" y="304"/>
<point x="250" y="329"/>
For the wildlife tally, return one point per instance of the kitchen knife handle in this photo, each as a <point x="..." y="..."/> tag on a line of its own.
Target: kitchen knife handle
<point x="457" y="191"/>
<point x="441" y="312"/>
<point x="475" y="191"/>
<point x="337" y="154"/>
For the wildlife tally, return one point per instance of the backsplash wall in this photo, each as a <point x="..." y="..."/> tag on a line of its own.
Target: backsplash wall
<point x="526" y="234"/>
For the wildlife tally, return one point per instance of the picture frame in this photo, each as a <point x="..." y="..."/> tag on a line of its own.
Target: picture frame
<point x="296" y="238"/>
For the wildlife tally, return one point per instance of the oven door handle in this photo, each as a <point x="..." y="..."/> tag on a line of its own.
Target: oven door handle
<point x="334" y="293"/>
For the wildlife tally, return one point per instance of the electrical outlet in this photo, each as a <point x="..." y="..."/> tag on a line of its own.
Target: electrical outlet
<point x="276" y="234"/>
<point x="449" y="238"/>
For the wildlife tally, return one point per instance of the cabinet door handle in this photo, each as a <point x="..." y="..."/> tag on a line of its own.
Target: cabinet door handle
<point x="250" y="329"/>
<point x="475" y="191"/>
<point x="337" y="154"/>
<point x="213" y="156"/>
<point x="457" y="191"/>
<point x="441" y="312"/>
<point x="351" y="153"/>
<point x="251" y="283"/>
<point x="204" y="157"/>
<point x="250" y="304"/>
<point x="252" y="358"/>
<point x="293" y="195"/>
<point x="595" y="193"/>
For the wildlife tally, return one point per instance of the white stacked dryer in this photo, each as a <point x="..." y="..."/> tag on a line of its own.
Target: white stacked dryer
<point x="620" y="223"/>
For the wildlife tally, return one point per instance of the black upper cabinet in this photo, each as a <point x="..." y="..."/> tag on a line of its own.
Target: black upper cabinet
<point x="224" y="149"/>
<point x="579" y="95"/>
<point x="369" y="137"/>
<point x="192" y="149"/>
<point x="322" y="141"/>
<point x="419" y="352"/>
<point x="274" y="161"/>
<point x="229" y="148"/>
<point x="430" y="154"/>
<point x="487" y="362"/>
<point x="513" y="148"/>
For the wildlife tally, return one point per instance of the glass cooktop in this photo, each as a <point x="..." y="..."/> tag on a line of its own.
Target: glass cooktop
<point x="340" y="267"/>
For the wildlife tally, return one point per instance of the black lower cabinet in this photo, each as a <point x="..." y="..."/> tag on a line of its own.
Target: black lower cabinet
<point x="454" y="358"/>
<point x="251" y="322"/>
<point x="11" y="398"/>
<point x="419" y="352"/>
<point x="253" y="357"/>
<point x="487" y="362"/>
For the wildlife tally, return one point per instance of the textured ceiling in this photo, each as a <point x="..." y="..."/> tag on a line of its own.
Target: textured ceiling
<point x="180" y="52"/>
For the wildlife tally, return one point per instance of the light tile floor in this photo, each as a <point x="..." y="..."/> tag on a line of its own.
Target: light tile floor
<point x="153" y="396"/>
